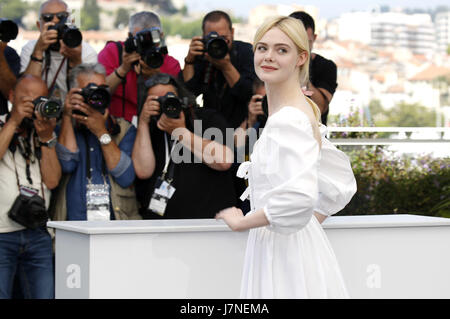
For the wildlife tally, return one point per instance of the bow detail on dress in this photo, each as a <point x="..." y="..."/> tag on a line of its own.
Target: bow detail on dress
<point x="243" y="172"/>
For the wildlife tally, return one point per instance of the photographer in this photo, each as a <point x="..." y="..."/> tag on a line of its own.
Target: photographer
<point x="29" y="168"/>
<point x="225" y="79"/>
<point x="50" y="56"/>
<point x="197" y="184"/>
<point x="9" y="62"/>
<point x="95" y="153"/>
<point x="124" y="64"/>
<point x="322" y="72"/>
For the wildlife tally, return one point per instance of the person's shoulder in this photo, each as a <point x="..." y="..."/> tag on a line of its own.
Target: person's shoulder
<point x="324" y="61"/>
<point x="288" y="114"/>
<point x="241" y="45"/>
<point x="10" y="51"/>
<point x="110" y="46"/>
<point x="86" y="47"/>
<point x="29" y="46"/>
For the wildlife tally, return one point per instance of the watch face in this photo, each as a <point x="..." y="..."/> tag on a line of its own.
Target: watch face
<point x="105" y="139"/>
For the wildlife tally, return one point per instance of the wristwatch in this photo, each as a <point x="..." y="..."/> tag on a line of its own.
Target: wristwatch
<point x="50" y="143"/>
<point x="105" y="139"/>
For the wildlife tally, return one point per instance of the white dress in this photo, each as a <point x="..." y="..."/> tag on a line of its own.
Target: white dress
<point x="292" y="257"/>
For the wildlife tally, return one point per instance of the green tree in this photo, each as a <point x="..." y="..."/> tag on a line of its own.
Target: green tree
<point x="402" y="115"/>
<point x="122" y="17"/>
<point x="13" y="9"/>
<point x="90" y="15"/>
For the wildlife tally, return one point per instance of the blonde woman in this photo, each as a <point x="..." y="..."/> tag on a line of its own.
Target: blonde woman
<point x="288" y="254"/>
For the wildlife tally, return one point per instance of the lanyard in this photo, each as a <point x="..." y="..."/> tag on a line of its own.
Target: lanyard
<point x="88" y="161"/>
<point x="168" y="159"/>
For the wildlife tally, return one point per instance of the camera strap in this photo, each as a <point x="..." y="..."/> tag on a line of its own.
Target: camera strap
<point x="47" y="70"/>
<point x="168" y="157"/>
<point x="27" y="190"/>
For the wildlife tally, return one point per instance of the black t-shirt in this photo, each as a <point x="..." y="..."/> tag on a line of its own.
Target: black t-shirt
<point x="230" y="102"/>
<point x="13" y="61"/>
<point x="323" y="74"/>
<point x="201" y="192"/>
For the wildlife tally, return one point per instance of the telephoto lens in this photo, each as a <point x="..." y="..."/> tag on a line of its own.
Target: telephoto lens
<point x="48" y="108"/>
<point x="215" y="45"/>
<point x="70" y="35"/>
<point x="170" y="105"/>
<point x="8" y="30"/>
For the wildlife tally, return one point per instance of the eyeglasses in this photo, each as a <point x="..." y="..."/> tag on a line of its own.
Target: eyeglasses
<point x="160" y="78"/>
<point x="47" y="17"/>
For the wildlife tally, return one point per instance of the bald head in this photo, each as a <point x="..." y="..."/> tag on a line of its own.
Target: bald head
<point x="49" y="6"/>
<point x="28" y="86"/>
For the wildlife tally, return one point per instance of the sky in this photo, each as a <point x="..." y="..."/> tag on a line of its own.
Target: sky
<point x="327" y="8"/>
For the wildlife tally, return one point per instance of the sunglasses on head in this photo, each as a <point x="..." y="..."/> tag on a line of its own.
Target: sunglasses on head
<point x="47" y="17"/>
<point x="160" y="78"/>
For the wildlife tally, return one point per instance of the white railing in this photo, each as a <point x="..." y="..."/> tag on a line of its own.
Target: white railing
<point x="400" y="135"/>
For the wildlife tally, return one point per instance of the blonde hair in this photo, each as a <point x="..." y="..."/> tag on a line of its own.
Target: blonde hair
<point x="295" y="30"/>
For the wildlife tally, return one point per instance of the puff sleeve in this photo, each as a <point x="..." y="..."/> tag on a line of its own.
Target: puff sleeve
<point x="337" y="183"/>
<point x="294" y="178"/>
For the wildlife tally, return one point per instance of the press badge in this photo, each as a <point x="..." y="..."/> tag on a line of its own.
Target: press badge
<point x="161" y="195"/>
<point x="97" y="198"/>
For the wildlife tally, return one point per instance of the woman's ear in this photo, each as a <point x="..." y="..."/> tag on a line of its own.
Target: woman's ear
<point x="302" y="57"/>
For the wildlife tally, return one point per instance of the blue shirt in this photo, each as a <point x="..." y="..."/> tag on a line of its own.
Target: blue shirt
<point x="75" y="163"/>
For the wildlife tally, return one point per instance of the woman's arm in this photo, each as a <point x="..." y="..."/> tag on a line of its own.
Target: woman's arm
<point x="236" y="220"/>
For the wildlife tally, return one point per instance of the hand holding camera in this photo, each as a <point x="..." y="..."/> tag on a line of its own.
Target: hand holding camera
<point x="169" y="124"/>
<point x="213" y="46"/>
<point x="255" y="109"/>
<point x="149" y="44"/>
<point x="23" y="109"/>
<point x="196" y="48"/>
<point x="93" y="110"/>
<point x="48" y="37"/>
<point x="150" y="109"/>
<point x="44" y="127"/>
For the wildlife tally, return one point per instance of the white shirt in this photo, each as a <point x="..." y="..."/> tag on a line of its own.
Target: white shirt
<point x="8" y="185"/>
<point x="88" y="55"/>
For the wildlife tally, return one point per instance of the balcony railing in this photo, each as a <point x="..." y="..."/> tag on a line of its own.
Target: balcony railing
<point x="400" y="135"/>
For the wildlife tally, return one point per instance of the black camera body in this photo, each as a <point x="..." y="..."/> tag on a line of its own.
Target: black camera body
<point x="47" y="107"/>
<point x="215" y="45"/>
<point x="149" y="44"/>
<point x="8" y="30"/>
<point x="171" y="105"/>
<point x="29" y="211"/>
<point x="70" y="35"/>
<point x="96" y="96"/>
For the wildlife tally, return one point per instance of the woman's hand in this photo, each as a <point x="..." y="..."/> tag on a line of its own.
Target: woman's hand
<point x="233" y="217"/>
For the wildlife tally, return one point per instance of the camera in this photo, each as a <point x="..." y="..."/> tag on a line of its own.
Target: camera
<point x="149" y="44"/>
<point x="70" y="35"/>
<point x="215" y="45"/>
<point x="263" y="117"/>
<point x="171" y="105"/>
<point x="29" y="211"/>
<point x="47" y="107"/>
<point x="96" y="96"/>
<point x="8" y="30"/>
